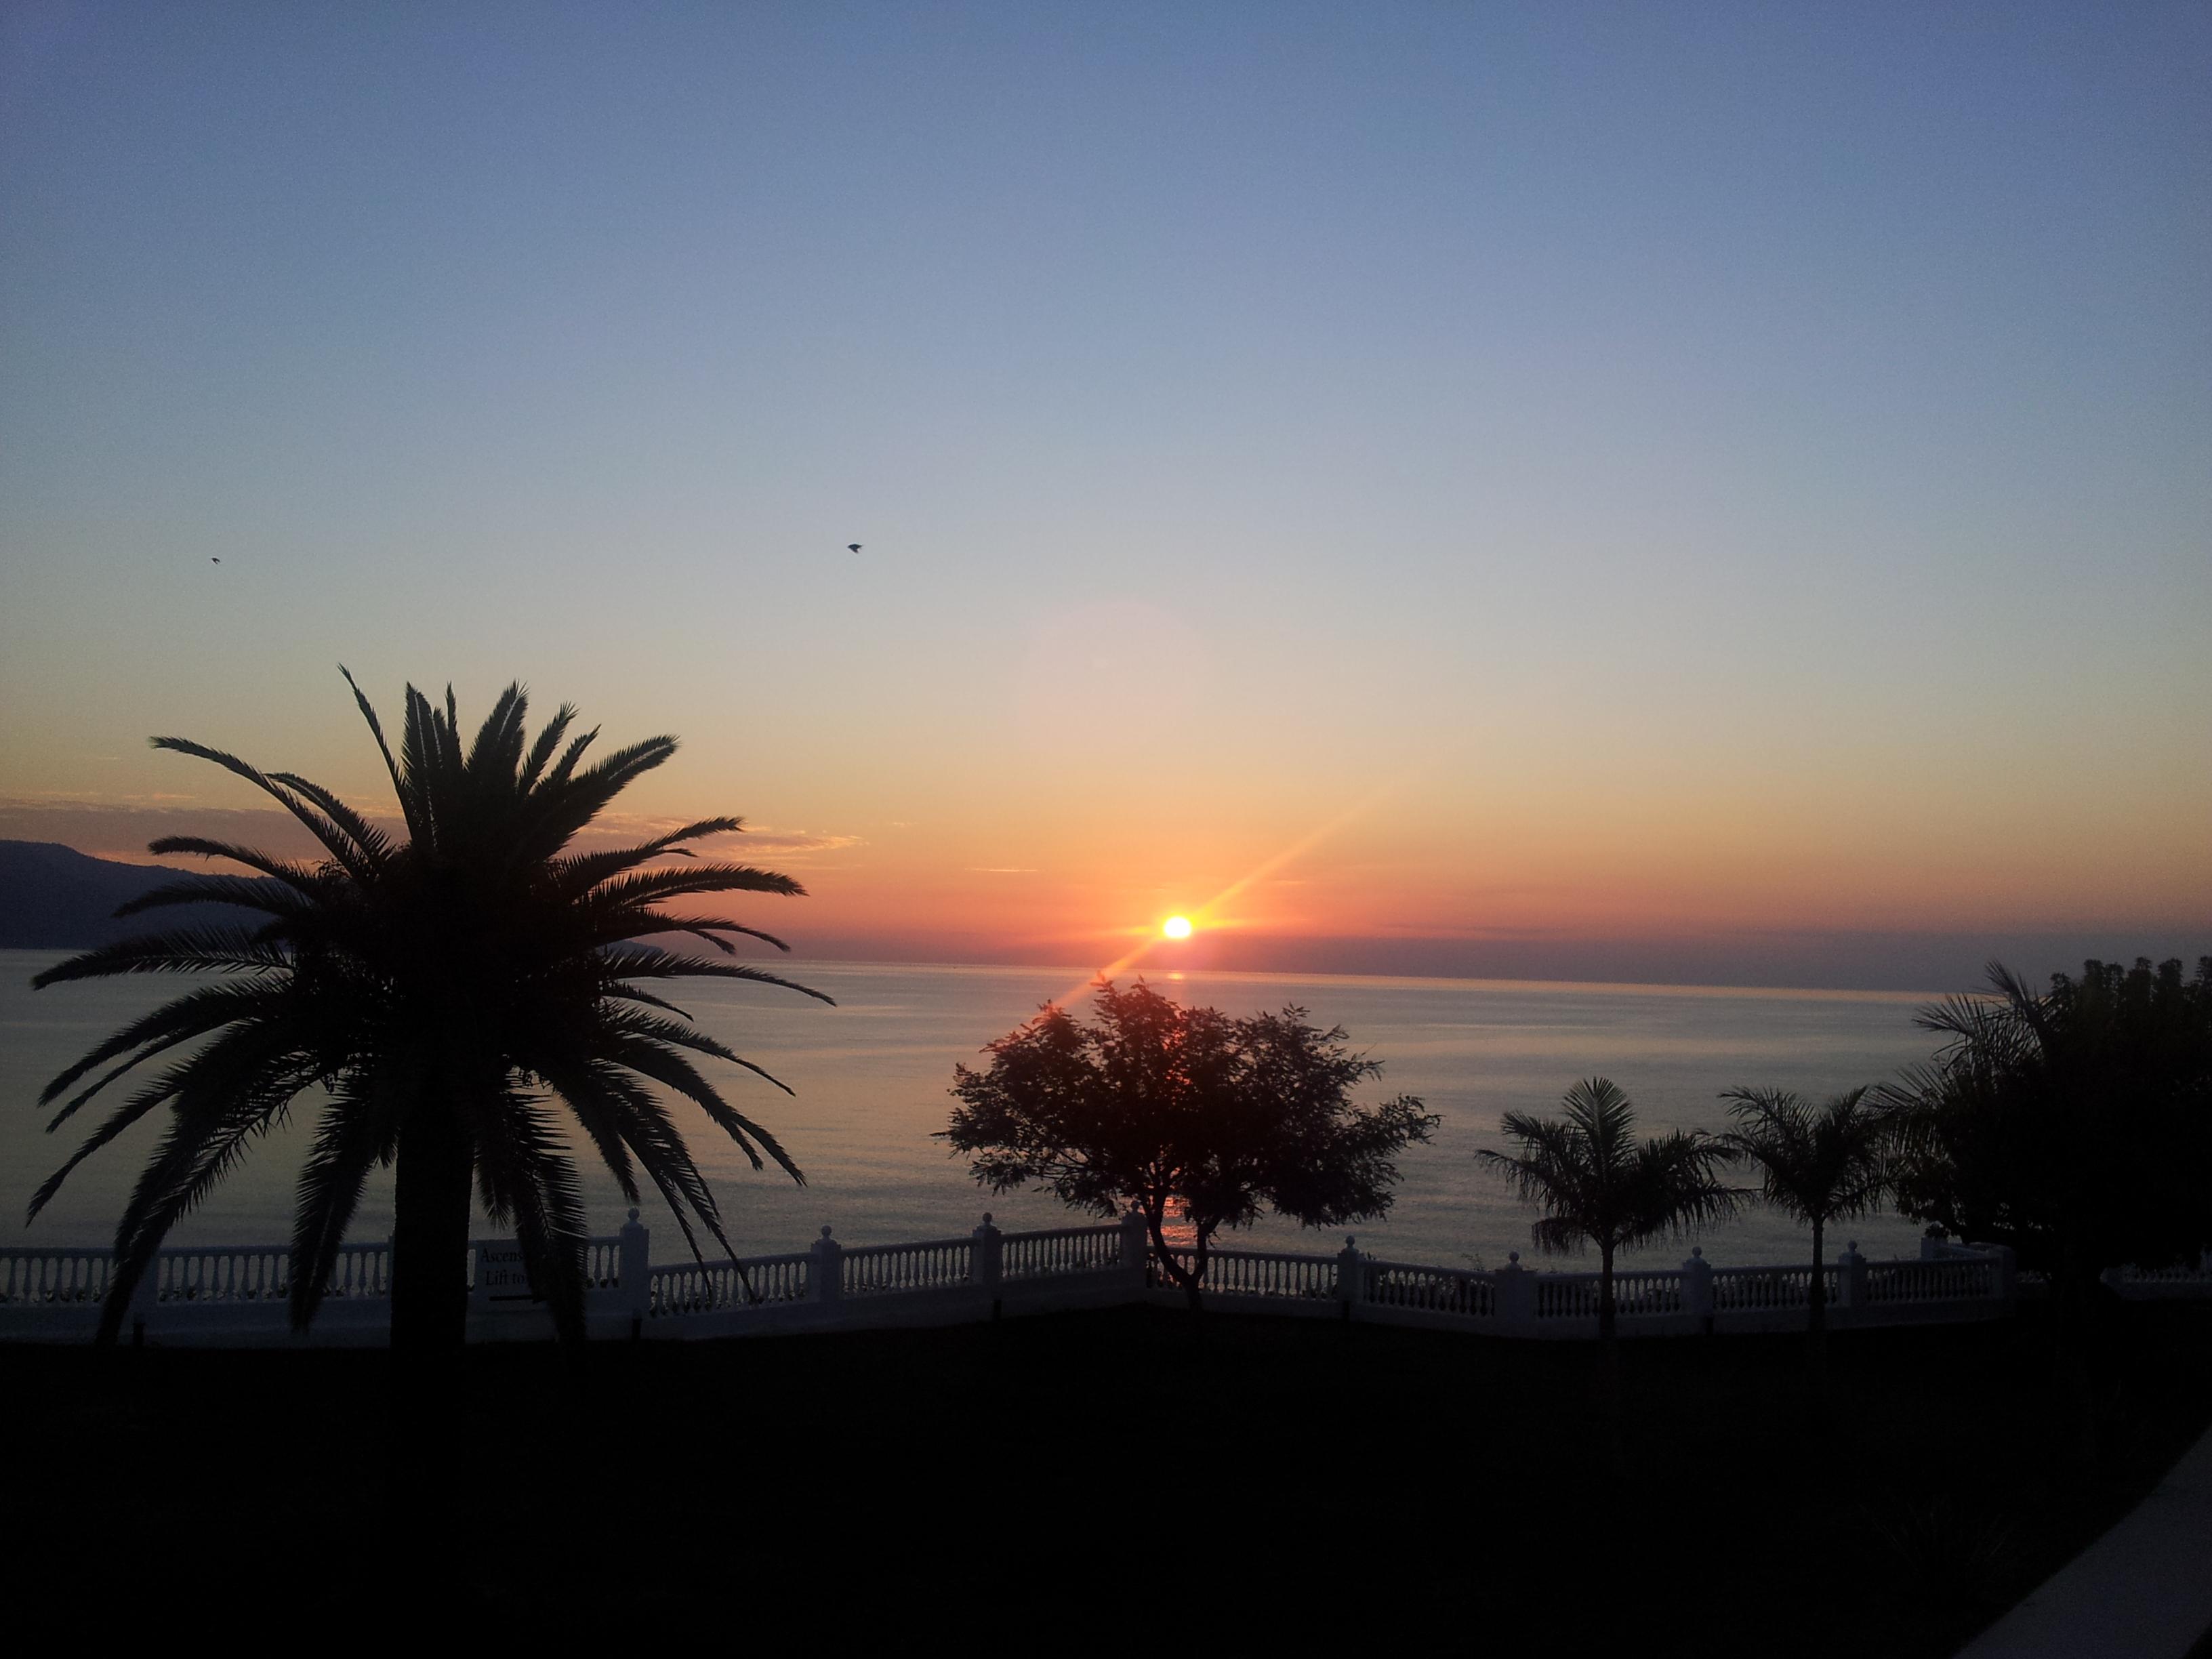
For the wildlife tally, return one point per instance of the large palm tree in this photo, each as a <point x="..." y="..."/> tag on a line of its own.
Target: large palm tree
<point x="442" y="993"/>
<point x="1818" y="1163"/>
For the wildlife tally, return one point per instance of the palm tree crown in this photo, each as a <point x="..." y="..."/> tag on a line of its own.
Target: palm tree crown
<point x="1597" y="1183"/>
<point x="445" y="991"/>
<point x="1818" y="1165"/>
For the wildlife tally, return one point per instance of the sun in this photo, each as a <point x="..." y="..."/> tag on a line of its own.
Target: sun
<point x="1176" y="927"/>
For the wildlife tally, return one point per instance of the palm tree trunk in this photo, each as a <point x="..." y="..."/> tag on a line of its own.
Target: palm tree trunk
<point x="2072" y="1296"/>
<point x="1608" y="1342"/>
<point x="1816" y="1324"/>
<point x="429" y="1324"/>
<point x="1606" y="1311"/>
<point x="430" y="1233"/>
<point x="1816" y="1298"/>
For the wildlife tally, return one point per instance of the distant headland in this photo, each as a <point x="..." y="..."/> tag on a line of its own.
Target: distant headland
<point x="55" y="898"/>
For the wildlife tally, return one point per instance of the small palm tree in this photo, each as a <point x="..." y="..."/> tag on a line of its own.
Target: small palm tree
<point x="443" y="992"/>
<point x="1600" y="1185"/>
<point x="1818" y="1165"/>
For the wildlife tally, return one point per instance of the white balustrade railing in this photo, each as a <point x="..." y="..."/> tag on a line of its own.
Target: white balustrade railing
<point x="602" y="1263"/>
<point x="254" y="1274"/>
<point x="1635" y="1295"/>
<point x="1764" y="1288"/>
<point x="251" y="1272"/>
<point x="1471" y="1294"/>
<point x="1060" y="1251"/>
<point x="887" y="1269"/>
<point x="46" y="1293"/>
<point x="36" y="1278"/>
<point x="1948" y="1280"/>
<point x="2186" y="1280"/>
<point x="1642" y="1294"/>
<point x="1566" y="1296"/>
<point x="1262" y="1273"/>
<point x="2196" y="1272"/>
<point x="756" y="1281"/>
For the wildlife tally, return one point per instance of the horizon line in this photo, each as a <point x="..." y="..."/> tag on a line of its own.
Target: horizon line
<point x="1663" y="988"/>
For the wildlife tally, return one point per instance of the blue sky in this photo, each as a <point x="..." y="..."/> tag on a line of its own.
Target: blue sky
<point x="1776" y="436"/>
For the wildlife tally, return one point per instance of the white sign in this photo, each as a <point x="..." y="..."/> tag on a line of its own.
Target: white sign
<point x="501" y="1276"/>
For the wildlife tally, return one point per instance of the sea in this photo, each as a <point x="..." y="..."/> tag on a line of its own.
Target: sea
<point x="871" y="1077"/>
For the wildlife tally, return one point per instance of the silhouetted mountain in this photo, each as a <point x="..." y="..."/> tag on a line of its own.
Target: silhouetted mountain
<point x="55" y="898"/>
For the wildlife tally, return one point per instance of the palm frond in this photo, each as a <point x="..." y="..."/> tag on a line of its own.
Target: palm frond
<point x="533" y="767"/>
<point x="640" y="888"/>
<point x="667" y="1067"/>
<point x="706" y="928"/>
<point x="219" y="1103"/>
<point x="375" y="846"/>
<point x="358" y="1129"/>
<point x="651" y="1028"/>
<point x="294" y="874"/>
<point x="632" y="993"/>
<point x="185" y="950"/>
<point x="525" y="1179"/>
<point x="193" y="1014"/>
<point x="583" y="872"/>
<point x="405" y="796"/>
<point x="618" y="963"/>
<point x="335" y="841"/>
<point x="271" y="898"/>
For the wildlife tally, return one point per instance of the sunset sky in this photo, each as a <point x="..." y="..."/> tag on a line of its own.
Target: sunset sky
<point x="1710" y="493"/>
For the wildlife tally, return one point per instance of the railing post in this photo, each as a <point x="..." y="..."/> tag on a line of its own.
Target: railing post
<point x="987" y="1262"/>
<point x="1851" y="1277"/>
<point x="145" y="1297"/>
<point x="636" y="1273"/>
<point x="2005" y="1274"/>
<point x="828" y="1269"/>
<point x="1698" y="1288"/>
<point x="1136" y="1249"/>
<point x="1351" y="1277"/>
<point x="1516" y="1296"/>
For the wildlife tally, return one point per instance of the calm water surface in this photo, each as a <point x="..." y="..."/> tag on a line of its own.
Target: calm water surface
<point x="871" y="1076"/>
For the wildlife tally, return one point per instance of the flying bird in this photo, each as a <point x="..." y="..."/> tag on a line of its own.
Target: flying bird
<point x="215" y="561"/>
<point x="852" y="547"/>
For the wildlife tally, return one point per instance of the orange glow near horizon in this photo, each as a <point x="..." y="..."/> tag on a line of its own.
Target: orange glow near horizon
<point x="1524" y="864"/>
<point x="1208" y="913"/>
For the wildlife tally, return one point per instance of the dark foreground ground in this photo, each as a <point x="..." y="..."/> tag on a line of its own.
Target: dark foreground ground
<point x="1130" y="1479"/>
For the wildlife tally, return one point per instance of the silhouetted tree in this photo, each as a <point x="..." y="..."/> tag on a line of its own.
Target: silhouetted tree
<point x="1598" y="1185"/>
<point x="2075" y="1125"/>
<point x="1818" y="1165"/>
<point x="1158" y="1105"/>
<point x="442" y="992"/>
